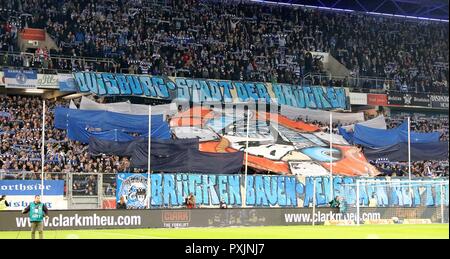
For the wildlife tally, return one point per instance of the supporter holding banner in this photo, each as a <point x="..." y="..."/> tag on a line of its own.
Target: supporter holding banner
<point x="21" y="192"/>
<point x="371" y="137"/>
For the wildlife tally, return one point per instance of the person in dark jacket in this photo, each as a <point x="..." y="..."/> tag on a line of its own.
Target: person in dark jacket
<point x="335" y="202"/>
<point x="121" y="205"/>
<point x="191" y="201"/>
<point x="222" y="204"/>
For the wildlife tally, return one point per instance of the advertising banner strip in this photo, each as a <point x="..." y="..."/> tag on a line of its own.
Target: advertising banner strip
<point x="408" y="99"/>
<point x="439" y="101"/>
<point x="377" y="99"/>
<point x="358" y="98"/>
<point x="47" y="81"/>
<point x="53" y="202"/>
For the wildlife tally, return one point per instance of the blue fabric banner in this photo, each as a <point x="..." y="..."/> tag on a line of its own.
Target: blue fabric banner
<point x="105" y="121"/>
<point x="77" y="132"/>
<point x="372" y="137"/>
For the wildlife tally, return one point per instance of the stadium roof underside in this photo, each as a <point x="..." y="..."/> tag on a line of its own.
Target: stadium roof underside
<point x="428" y="9"/>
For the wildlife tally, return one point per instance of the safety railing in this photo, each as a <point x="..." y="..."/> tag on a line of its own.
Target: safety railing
<point x="56" y="63"/>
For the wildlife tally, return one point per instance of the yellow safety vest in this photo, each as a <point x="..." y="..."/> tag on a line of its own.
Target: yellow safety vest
<point x="3" y="205"/>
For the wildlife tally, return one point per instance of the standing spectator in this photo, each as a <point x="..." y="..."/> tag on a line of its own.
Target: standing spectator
<point x="373" y="200"/>
<point x="222" y="204"/>
<point x="121" y="205"/>
<point x="190" y="201"/>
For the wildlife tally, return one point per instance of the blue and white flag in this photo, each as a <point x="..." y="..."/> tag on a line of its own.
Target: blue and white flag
<point x="19" y="78"/>
<point x="133" y="187"/>
<point x="66" y="83"/>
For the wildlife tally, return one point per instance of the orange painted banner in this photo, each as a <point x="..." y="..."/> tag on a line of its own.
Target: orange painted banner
<point x="276" y="144"/>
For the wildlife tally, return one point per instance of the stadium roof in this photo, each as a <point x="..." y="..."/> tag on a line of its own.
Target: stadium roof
<point x="421" y="9"/>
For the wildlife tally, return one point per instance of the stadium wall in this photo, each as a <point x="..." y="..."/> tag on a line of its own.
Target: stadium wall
<point x="183" y="218"/>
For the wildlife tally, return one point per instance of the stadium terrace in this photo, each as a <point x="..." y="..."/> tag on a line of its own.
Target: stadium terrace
<point x="120" y="119"/>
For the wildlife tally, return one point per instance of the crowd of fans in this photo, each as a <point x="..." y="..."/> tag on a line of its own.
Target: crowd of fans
<point x="236" y="40"/>
<point x="422" y="168"/>
<point x="20" y="135"/>
<point x="418" y="169"/>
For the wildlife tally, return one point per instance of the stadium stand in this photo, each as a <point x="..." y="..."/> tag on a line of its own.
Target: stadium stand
<point x="231" y="40"/>
<point x="20" y="151"/>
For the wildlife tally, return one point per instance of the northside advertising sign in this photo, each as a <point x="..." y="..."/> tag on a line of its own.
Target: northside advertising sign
<point x="131" y="219"/>
<point x="21" y="192"/>
<point x="208" y="90"/>
<point x="408" y="99"/>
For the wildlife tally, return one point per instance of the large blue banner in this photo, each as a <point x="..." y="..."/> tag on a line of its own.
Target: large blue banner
<point x="83" y="124"/>
<point x="31" y="187"/>
<point x="273" y="191"/>
<point x="373" y="137"/>
<point x="208" y="90"/>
